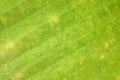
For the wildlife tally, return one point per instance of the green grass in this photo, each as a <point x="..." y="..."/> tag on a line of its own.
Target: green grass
<point x="59" y="40"/>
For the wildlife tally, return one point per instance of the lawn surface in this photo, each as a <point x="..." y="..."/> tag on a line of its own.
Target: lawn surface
<point x="59" y="40"/>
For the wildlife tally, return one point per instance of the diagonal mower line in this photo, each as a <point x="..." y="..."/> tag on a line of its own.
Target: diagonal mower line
<point x="63" y="15"/>
<point x="98" y="29"/>
<point x="111" y="25"/>
<point x="12" y="7"/>
<point x="26" y="35"/>
<point x="74" y="41"/>
<point x="50" y="68"/>
<point x="24" y="4"/>
<point x="36" y="65"/>
<point x="51" y="37"/>
<point x="43" y="25"/>
<point x="41" y="72"/>
<point x="67" y="29"/>
<point x="46" y="6"/>
<point x="64" y="30"/>
<point x="88" y="34"/>
<point x="46" y="69"/>
<point x="15" y="15"/>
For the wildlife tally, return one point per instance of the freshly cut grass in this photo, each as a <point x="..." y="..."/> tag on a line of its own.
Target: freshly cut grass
<point x="59" y="40"/>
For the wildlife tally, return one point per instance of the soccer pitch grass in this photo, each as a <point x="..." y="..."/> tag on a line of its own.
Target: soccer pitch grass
<point x="59" y="40"/>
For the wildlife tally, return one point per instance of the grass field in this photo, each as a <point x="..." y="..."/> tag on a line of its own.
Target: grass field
<point x="59" y="40"/>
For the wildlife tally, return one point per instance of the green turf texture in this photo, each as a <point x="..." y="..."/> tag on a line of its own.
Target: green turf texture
<point x="59" y="39"/>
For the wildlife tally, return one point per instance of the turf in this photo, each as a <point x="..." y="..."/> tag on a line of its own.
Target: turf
<point x="59" y="40"/>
